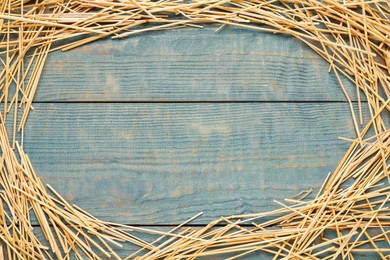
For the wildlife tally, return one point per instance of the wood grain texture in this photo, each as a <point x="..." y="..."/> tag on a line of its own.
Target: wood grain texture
<point x="191" y="64"/>
<point x="129" y="249"/>
<point x="163" y="163"/>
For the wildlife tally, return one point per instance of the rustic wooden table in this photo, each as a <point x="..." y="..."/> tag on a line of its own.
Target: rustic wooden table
<point x="153" y="129"/>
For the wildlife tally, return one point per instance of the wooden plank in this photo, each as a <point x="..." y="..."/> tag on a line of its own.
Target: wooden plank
<point x="191" y="64"/>
<point x="130" y="249"/>
<point x="163" y="163"/>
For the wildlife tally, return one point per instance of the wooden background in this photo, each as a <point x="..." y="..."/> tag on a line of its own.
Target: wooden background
<point x="153" y="129"/>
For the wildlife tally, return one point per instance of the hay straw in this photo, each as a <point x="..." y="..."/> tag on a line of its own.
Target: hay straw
<point x="348" y="216"/>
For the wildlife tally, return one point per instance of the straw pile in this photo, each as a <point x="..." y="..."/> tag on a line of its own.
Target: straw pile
<point x="349" y="215"/>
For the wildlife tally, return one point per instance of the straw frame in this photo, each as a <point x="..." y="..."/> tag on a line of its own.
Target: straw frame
<point x="353" y="36"/>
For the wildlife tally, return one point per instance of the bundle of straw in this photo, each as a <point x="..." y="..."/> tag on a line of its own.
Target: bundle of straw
<point x="348" y="216"/>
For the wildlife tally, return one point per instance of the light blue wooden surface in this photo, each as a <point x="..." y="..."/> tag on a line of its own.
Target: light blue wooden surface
<point x="163" y="163"/>
<point x="119" y="129"/>
<point x="191" y="64"/>
<point x="129" y="249"/>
